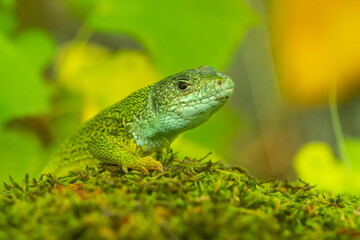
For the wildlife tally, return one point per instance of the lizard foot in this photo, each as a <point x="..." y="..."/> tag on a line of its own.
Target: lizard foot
<point x="143" y="165"/>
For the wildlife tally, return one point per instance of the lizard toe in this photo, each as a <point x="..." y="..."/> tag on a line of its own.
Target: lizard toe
<point x="143" y="165"/>
<point x="151" y="164"/>
<point x="124" y="168"/>
<point x="144" y="171"/>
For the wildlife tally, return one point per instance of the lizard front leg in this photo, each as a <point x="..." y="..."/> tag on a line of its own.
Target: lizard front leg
<point x="108" y="149"/>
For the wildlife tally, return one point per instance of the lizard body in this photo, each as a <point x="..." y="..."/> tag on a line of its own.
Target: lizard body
<point x="151" y="118"/>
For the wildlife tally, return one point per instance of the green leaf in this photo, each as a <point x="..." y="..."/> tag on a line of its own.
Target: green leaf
<point x="353" y="151"/>
<point x="7" y="4"/>
<point x="22" y="87"/>
<point x="178" y="34"/>
<point x="7" y="20"/>
<point x="21" y="153"/>
<point x="36" y="46"/>
<point x="316" y="163"/>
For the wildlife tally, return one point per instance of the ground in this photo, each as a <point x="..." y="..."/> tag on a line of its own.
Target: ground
<point x="191" y="199"/>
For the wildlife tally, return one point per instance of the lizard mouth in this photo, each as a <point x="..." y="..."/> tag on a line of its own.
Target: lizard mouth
<point x="189" y="108"/>
<point x="219" y="96"/>
<point x="222" y="98"/>
<point x="225" y="94"/>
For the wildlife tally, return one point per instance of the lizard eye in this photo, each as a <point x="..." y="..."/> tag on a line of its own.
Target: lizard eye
<point x="183" y="85"/>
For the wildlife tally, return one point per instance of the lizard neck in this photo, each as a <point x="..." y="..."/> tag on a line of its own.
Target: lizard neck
<point x="152" y="128"/>
<point x="145" y="127"/>
<point x="156" y="124"/>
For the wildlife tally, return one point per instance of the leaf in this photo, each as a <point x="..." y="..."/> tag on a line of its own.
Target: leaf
<point x="36" y="46"/>
<point x="353" y="152"/>
<point x="7" y="20"/>
<point x="177" y="34"/>
<point x="101" y="77"/>
<point x="7" y="4"/>
<point x="316" y="163"/>
<point x="22" y="87"/>
<point x="21" y="153"/>
<point x="316" y="43"/>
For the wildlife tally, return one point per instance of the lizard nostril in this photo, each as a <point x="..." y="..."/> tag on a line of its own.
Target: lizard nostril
<point x="219" y="82"/>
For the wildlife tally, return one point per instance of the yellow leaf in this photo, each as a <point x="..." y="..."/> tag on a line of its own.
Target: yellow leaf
<point x="316" y="43"/>
<point x="101" y="76"/>
<point x="315" y="163"/>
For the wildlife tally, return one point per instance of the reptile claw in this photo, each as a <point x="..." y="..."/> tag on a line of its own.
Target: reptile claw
<point x="144" y="165"/>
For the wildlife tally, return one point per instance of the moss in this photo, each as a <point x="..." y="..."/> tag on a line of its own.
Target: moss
<point x="192" y="199"/>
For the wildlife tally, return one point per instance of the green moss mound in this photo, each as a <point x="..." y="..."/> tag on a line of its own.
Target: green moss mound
<point x="194" y="199"/>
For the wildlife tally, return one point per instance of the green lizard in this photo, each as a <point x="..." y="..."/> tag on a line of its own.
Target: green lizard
<point x="150" y="118"/>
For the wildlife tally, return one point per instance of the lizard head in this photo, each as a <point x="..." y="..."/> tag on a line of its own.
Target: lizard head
<point x="187" y="99"/>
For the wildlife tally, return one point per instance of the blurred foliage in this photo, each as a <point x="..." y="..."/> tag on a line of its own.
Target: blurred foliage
<point x="177" y="36"/>
<point x="23" y="92"/>
<point x="88" y="77"/>
<point x="316" y="46"/>
<point x="191" y="199"/>
<point x="22" y="87"/>
<point x="317" y="54"/>
<point x="315" y="162"/>
<point x="100" y="76"/>
<point x="214" y="136"/>
<point x="20" y="152"/>
<point x="7" y="18"/>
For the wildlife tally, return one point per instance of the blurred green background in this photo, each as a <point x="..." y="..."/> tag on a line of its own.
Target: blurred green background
<point x="62" y="61"/>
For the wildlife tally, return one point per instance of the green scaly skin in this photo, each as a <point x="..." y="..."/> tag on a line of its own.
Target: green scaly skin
<point x="148" y="120"/>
